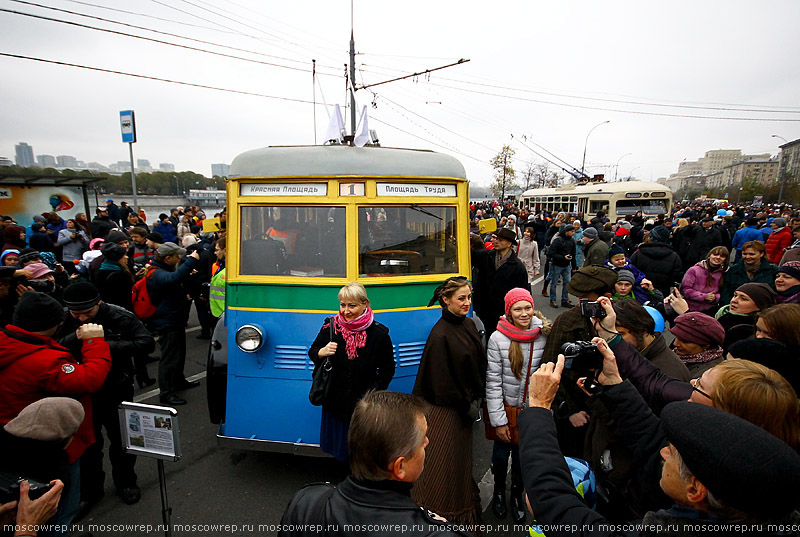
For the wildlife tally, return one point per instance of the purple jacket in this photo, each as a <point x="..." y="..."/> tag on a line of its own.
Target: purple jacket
<point x="694" y="287"/>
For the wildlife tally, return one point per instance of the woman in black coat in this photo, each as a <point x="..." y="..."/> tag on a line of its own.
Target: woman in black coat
<point x="114" y="281"/>
<point x="360" y="354"/>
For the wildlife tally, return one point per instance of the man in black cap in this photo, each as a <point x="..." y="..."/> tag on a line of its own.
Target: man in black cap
<point x="169" y="320"/>
<point x="719" y="470"/>
<point x="562" y="258"/>
<point x="704" y="237"/>
<point x="498" y="271"/>
<point x="33" y="364"/>
<point x="127" y="337"/>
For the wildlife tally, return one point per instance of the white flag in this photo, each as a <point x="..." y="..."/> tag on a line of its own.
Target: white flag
<point x="363" y="136"/>
<point x="335" y="127"/>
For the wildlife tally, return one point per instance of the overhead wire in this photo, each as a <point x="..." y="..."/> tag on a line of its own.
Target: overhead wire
<point x="112" y="21"/>
<point x="159" y="41"/>
<point x="159" y="79"/>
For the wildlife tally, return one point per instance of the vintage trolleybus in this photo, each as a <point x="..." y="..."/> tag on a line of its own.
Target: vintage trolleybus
<point x="618" y="199"/>
<point x="302" y="222"/>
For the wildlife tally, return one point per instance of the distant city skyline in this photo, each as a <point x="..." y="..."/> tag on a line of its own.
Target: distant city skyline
<point x="24" y="156"/>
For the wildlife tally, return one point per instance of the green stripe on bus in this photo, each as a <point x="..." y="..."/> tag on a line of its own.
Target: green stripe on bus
<point x="302" y="297"/>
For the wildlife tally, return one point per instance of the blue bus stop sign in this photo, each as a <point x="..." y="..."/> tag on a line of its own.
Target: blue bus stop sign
<point x="128" y="125"/>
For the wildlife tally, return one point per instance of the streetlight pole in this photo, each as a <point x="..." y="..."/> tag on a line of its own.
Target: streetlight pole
<point x="583" y="164"/>
<point x="616" y="168"/>
<point x="630" y="175"/>
<point x="780" y="170"/>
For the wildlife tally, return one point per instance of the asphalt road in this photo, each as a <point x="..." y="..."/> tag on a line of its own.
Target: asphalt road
<point x="220" y="491"/>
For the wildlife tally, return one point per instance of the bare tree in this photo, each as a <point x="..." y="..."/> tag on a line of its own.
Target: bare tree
<point x="505" y="178"/>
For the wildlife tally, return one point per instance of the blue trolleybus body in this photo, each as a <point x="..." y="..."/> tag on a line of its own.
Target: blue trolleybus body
<point x="302" y="222"/>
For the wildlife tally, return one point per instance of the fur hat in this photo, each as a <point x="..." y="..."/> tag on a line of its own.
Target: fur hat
<point x="49" y="419"/>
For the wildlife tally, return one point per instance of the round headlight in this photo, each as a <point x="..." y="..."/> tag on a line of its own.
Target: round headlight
<point x="249" y="338"/>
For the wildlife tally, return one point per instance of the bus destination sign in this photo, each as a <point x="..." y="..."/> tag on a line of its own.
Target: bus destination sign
<point x="416" y="190"/>
<point x="284" y="189"/>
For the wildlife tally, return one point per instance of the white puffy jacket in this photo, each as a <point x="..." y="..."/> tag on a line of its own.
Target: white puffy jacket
<point x="501" y="384"/>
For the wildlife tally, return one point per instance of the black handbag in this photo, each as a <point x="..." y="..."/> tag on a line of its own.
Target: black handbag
<point x="321" y="379"/>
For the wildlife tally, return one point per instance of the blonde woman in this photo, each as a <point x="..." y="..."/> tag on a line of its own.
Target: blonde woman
<point x="361" y="357"/>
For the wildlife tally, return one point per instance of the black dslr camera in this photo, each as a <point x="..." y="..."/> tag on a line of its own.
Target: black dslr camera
<point x="9" y="487"/>
<point x="585" y="359"/>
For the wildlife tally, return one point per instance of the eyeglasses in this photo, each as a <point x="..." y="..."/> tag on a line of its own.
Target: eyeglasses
<point x="693" y="383"/>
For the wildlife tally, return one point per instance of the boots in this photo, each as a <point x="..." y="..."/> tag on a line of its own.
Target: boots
<point x="517" y="503"/>
<point x="499" y="496"/>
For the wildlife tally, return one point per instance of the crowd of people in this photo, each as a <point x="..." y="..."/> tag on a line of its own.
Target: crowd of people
<point x="668" y="398"/>
<point x="82" y="307"/>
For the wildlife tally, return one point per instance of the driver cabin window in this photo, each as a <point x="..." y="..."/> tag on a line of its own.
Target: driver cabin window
<point x="293" y="241"/>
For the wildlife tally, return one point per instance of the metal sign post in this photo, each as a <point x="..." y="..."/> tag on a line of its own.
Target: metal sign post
<point x="152" y="431"/>
<point x="127" y="123"/>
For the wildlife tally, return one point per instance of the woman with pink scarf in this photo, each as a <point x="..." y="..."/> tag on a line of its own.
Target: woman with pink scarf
<point x="361" y="357"/>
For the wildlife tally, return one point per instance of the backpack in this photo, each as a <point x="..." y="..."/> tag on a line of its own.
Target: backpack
<point x="143" y="306"/>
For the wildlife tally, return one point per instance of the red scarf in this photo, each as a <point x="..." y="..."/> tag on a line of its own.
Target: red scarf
<point x="514" y="333"/>
<point x="354" y="332"/>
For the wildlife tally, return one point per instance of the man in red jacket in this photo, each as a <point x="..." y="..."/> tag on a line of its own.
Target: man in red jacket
<point x="33" y="365"/>
<point x="778" y="240"/>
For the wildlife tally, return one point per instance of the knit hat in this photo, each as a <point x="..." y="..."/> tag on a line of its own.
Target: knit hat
<point x="696" y="327"/>
<point x="116" y="236"/>
<point x="37" y="312"/>
<point x="625" y="225"/>
<point x="112" y="251"/>
<point x="48" y="419"/>
<point x="81" y="296"/>
<point x="28" y="254"/>
<point x="740" y="463"/>
<point x="792" y="268"/>
<point x="590" y="232"/>
<point x="761" y="293"/>
<point x="615" y="249"/>
<point x="39" y="270"/>
<point x="659" y="234"/>
<point x="590" y="279"/>
<point x="39" y="218"/>
<point x="780" y="222"/>
<point x="95" y="242"/>
<point x="155" y="236"/>
<point x="49" y="259"/>
<point x="564" y="228"/>
<point x="514" y="296"/>
<point x="625" y="276"/>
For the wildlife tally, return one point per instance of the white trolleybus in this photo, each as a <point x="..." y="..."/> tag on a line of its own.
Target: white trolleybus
<point x="619" y="199"/>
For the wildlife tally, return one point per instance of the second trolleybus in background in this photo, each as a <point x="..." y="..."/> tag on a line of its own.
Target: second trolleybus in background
<point x="618" y="199"/>
<point x="302" y="222"/>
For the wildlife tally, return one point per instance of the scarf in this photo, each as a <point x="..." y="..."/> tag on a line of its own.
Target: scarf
<point x="512" y="332"/>
<point x="110" y="265"/>
<point x="354" y="332"/>
<point x="702" y="357"/>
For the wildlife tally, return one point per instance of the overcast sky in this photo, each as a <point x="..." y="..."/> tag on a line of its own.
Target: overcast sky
<point x="541" y="72"/>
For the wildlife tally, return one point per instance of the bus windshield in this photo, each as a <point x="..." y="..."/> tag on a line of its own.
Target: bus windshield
<point x="628" y="207"/>
<point x="293" y="241"/>
<point x="406" y="240"/>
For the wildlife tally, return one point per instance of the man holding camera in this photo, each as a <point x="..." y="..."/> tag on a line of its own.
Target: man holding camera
<point x="575" y="324"/>
<point x="709" y="470"/>
<point x="166" y="291"/>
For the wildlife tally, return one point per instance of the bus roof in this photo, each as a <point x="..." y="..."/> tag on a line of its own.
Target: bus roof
<point x="594" y="188"/>
<point x="342" y="160"/>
